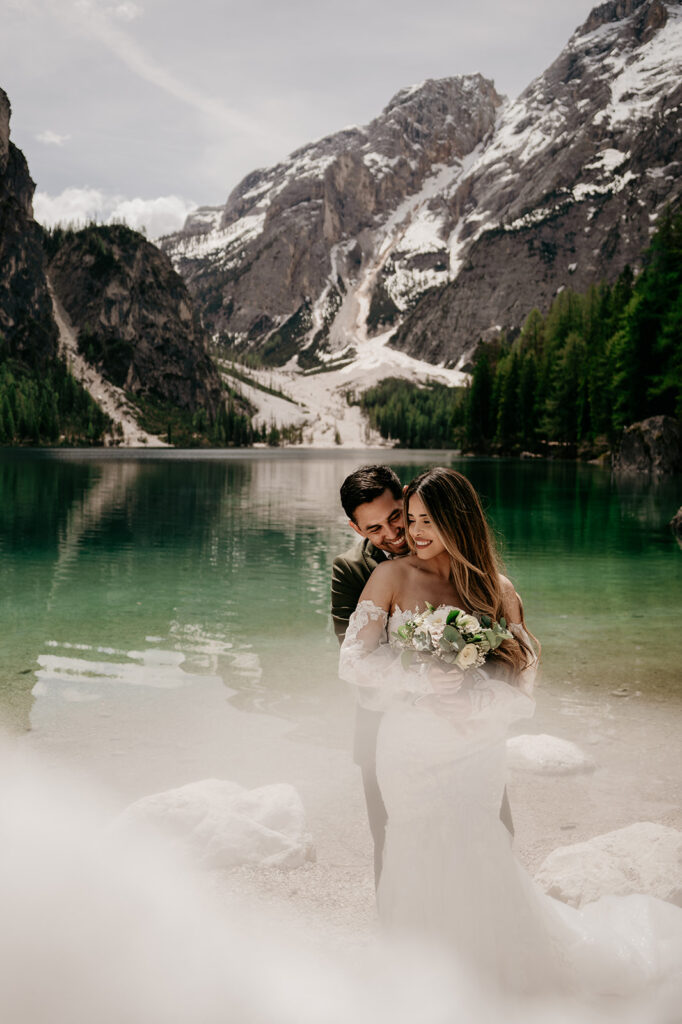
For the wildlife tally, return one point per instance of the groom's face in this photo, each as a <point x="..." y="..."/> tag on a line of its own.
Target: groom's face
<point x="381" y="521"/>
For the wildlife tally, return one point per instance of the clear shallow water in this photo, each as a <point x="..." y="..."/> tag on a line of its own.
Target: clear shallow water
<point x="136" y="584"/>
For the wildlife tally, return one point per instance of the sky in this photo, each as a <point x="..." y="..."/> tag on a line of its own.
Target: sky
<point x="143" y="109"/>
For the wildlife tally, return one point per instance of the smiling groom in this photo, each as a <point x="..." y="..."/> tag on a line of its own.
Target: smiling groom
<point x="372" y="498"/>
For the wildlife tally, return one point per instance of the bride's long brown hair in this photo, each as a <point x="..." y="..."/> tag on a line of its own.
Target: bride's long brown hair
<point x="475" y="565"/>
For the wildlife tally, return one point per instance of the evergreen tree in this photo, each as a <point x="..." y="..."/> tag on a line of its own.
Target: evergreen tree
<point x="527" y="400"/>
<point x="508" y="417"/>
<point x="532" y="336"/>
<point x="643" y="351"/>
<point x="665" y="391"/>
<point x="565" y="417"/>
<point x="480" y="417"/>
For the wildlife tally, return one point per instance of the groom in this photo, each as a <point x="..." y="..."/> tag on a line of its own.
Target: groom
<point x="372" y="498"/>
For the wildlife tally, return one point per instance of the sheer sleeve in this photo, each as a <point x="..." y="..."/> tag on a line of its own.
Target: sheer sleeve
<point x="527" y="675"/>
<point x="496" y="703"/>
<point x="484" y="705"/>
<point x="375" y="668"/>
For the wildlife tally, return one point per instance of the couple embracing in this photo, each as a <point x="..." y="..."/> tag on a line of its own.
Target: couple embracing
<point x="435" y="645"/>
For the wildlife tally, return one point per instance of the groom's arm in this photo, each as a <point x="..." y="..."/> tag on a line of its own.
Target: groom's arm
<point x="348" y="581"/>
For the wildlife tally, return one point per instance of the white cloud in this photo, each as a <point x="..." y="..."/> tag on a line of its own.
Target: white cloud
<point x="79" y="206"/>
<point x="125" y="12"/>
<point x="158" y="216"/>
<point x="51" y="138"/>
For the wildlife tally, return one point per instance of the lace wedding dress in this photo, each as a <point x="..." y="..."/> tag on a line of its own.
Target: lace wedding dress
<point x="449" y="873"/>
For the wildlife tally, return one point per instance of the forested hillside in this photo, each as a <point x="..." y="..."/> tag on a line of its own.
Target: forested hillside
<point x="595" y="363"/>
<point x="44" y="405"/>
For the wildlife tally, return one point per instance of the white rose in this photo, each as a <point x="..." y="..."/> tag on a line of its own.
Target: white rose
<point x="467" y="657"/>
<point x="468" y="623"/>
<point x="436" y="623"/>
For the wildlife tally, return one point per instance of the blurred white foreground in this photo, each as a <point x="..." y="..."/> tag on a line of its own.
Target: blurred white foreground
<point x="102" y="927"/>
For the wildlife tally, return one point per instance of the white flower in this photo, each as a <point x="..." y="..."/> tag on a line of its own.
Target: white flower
<point x="468" y="623"/>
<point x="436" y="622"/>
<point x="467" y="657"/>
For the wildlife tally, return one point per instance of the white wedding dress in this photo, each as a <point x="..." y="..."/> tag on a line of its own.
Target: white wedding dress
<point x="449" y="873"/>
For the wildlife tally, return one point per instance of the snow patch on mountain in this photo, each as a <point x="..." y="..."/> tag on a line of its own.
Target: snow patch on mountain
<point x="226" y="239"/>
<point x="318" y="401"/>
<point x="637" y="82"/>
<point x="366" y="232"/>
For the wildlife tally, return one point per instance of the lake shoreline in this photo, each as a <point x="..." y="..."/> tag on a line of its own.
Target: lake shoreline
<point x="334" y="896"/>
<point x="167" y="621"/>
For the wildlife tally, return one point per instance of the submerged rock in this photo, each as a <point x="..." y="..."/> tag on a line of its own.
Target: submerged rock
<point x="642" y="858"/>
<point x="549" y="754"/>
<point x="222" y="825"/>
<point x="651" y="446"/>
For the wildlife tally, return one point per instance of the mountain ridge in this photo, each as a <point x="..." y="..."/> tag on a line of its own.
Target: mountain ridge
<point x="441" y="246"/>
<point x="295" y="229"/>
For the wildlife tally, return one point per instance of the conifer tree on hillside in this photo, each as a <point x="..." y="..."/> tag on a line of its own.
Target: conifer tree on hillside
<point x="600" y="361"/>
<point x="594" y="364"/>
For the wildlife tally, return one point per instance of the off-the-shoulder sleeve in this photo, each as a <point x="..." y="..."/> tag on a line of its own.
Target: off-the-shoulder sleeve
<point x="526" y="678"/>
<point x="373" y="666"/>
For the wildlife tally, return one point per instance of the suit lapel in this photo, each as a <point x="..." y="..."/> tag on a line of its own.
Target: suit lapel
<point x="372" y="556"/>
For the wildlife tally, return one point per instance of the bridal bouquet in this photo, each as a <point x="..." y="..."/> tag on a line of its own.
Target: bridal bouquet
<point x="452" y="636"/>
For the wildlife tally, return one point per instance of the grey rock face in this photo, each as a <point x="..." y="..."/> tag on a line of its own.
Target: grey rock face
<point x="451" y="215"/>
<point x="26" y="320"/>
<point x="651" y="446"/>
<point x="568" y="190"/>
<point x="134" y="316"/>
<point x="288" y="234"/>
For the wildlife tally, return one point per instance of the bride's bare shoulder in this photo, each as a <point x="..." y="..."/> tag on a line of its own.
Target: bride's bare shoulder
<point x="393" y="568"/>
<point x="387" y="574"/>
<point x="384" y="582"/>
<point x="511" y="602"/>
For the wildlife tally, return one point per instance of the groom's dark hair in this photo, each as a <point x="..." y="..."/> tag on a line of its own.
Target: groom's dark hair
<point x="366" y="484"/>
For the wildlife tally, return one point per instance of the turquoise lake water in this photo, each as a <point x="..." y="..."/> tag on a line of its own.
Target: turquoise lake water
<point x="126" y="574"/>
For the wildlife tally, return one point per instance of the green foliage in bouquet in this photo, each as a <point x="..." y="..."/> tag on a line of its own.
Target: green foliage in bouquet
<point x="452" y="636"/>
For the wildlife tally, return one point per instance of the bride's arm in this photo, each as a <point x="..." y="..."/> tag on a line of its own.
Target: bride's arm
<point x="367" y="660"/>
<point x="516" y="623"/>
<point x="484" y="701"/>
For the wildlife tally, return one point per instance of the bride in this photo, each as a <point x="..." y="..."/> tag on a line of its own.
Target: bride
<point x="448" y="873"/>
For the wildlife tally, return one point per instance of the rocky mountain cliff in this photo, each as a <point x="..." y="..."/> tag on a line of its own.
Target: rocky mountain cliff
<point x="453" y="213"/>
<point x="26" y="320"/>
<point x="132" y="327"/>
<point x="134" y="317"/>
<point x="570" y="186"/>
<point x="274" y="266"/>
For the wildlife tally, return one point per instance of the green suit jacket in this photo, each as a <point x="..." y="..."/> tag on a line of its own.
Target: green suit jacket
<point x="350" y="572"/>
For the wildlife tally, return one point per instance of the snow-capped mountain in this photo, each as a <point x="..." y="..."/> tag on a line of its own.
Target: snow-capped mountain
<point x="568" y="189"/>
<point x="279" y="259"/>
<point x="454" y="212"/>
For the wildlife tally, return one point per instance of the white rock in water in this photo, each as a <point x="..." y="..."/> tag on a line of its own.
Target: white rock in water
<point x="223" y="825"/>
<point x="543" y="753"/>
<point x="642" y="858"/>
